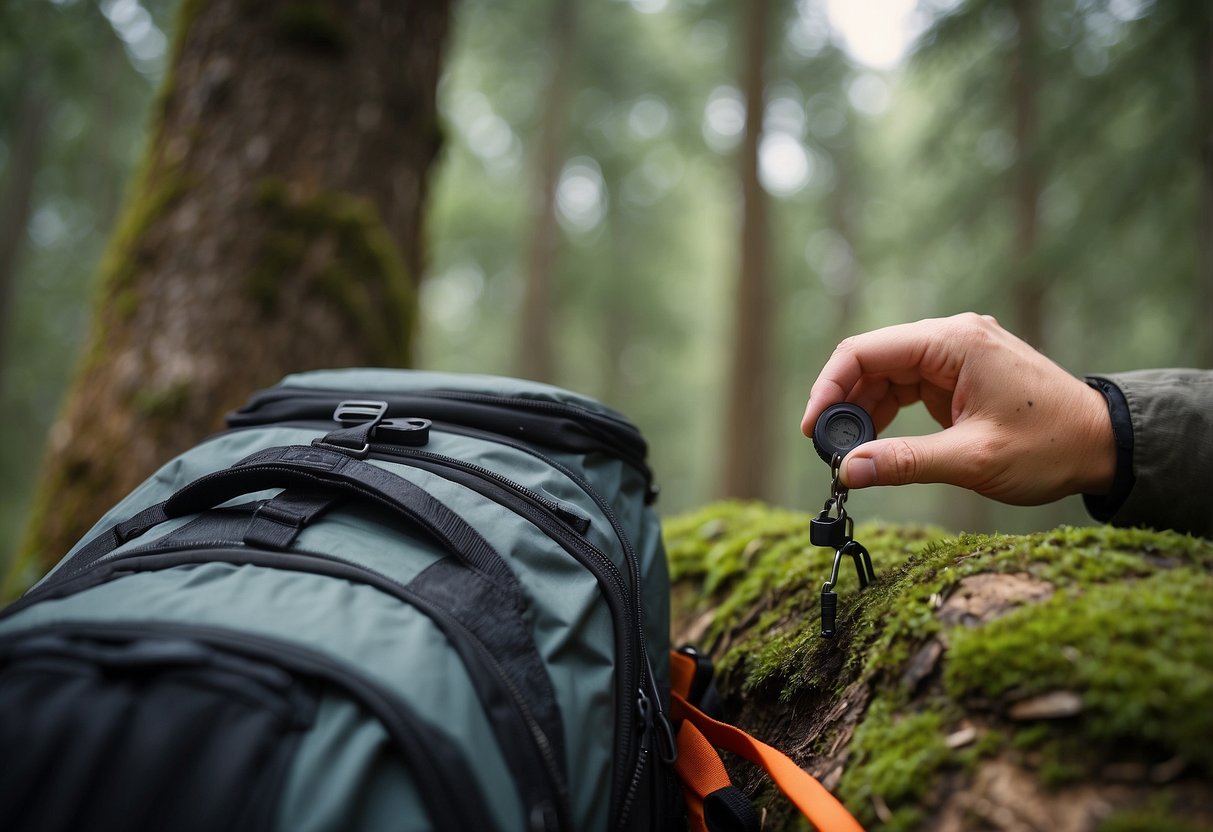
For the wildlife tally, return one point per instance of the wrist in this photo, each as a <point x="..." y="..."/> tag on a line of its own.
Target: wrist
<point x="1097" y="462"/>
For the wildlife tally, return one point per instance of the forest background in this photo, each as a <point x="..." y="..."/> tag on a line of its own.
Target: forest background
<point x="603" y="214"/>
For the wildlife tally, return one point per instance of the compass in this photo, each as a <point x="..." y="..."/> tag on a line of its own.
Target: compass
<point x="840" y="429"/>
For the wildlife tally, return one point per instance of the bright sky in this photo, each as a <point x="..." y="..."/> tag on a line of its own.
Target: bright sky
<point x="876" y="33"/>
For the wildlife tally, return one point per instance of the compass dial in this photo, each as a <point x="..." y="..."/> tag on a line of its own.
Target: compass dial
<point x="841" y="428"/>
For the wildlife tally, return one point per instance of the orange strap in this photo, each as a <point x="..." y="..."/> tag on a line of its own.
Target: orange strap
<point x="813" y="800"/>
<point x="701" y="771"/>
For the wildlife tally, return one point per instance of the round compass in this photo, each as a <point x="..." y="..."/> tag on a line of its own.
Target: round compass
<point x="840" y="428"/>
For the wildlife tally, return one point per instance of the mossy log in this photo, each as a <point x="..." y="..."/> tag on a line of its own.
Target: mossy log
<point x="1057" y="681"/>
<point x="275" y="227"/>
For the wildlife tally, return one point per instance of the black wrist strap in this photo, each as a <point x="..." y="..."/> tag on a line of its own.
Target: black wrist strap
<point x="1103" y="507"/>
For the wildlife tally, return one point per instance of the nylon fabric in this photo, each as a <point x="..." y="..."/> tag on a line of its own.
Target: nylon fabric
<point x="355" y="625"/>
<point x="820" y="807"/>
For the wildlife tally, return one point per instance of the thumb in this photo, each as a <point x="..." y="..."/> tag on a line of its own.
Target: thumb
<point x="936" y="457"/>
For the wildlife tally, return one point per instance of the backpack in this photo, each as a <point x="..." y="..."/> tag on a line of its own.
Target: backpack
<point x="381" y="599"/>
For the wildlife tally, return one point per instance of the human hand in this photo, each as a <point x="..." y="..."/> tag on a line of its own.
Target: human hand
<point x="1016" y="426"/>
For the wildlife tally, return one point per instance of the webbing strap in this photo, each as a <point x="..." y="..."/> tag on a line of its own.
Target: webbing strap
<point x="813" y="800"/>
<point x="682" y="673"/>
<point x="277" y="522"/>
<point x="701" y="771"/>
<point x="313" y="470"/>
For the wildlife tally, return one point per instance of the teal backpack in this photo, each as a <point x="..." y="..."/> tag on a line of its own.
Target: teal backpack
<point x="379" y="600"/>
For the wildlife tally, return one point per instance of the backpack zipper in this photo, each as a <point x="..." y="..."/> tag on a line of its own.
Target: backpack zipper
<point x="653" y="715"/>
<point x="610" y="434"/>
<point x="150" y="559"/>
<point x="535" y="508"/>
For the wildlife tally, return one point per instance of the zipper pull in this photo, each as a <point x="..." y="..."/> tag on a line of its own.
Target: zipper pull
<point x="644" y="711"/>
<point x="667" y="746"/>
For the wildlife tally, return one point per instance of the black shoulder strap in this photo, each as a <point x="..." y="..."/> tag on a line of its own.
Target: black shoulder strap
<point x="318" y="471"/>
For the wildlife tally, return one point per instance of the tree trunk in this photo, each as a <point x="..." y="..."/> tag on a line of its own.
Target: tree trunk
<point x="535" y="355"/>
<point x="746" y="442"/>
<point x="17" y="196"/>
<point x="984" y="682"/>
<point x="1203" y="33"/>
<point x="1029" y="283"/>
<point x="275" y="228"/>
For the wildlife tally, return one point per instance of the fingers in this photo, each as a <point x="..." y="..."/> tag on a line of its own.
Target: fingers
<point x="929" y="352"/>
<point x="896" y="353"/>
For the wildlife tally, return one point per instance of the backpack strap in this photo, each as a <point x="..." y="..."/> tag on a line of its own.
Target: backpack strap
<point x="321" y="473"/>
<point x="701" y="770"/>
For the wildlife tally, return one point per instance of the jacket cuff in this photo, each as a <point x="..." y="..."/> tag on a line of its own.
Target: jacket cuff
<point x="1170" y="425"/>
<point x="1103" y="507"/>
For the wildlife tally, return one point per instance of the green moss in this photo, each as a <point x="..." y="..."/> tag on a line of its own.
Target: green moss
<point x="1156" y="817"/>
<point x="894" y="757"/>
<point x="155" y="193"/>
<point x="339" y="245"/>
<point x="1127" y="629"/>
<point x="314" y="25"/>
<point x="161" y="404"/>
<point x="1139" y="652"/>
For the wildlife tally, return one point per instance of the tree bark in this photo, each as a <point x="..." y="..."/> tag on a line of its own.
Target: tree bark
<point x="276" y="227"/>
<point x="1203" y="33"/>
<point x="1029" y="285"/>
<point x="535" y="353"/>
<point x="746" y="441"/>
<point x="17" y="196"/>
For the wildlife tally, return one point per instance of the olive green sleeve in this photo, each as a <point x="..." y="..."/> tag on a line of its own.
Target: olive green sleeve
<point x="1171" y="417"/>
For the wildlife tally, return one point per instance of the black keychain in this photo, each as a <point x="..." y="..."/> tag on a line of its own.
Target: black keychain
<point x="839" y="429"/>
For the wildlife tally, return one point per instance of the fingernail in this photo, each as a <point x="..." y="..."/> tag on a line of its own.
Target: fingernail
<point x="859" y="473"/>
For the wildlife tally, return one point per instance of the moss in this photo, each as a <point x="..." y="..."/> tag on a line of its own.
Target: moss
<point x="1126" y="628"/>
<point x="340" y="245"/>
<point x="153" y="196"/>
<point x="1156" y="817"/>
<point x="894" y="758"/>
<point x="314" y="25"/>
<point x="1139" y="652"/>
<point x="161" y="404"/>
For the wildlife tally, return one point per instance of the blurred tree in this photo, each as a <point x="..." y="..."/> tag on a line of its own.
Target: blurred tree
<point x="1202" y="34"/>
<point x="746" y="462"/>
<point x="1030" y="288"/>
<point x="92" y="68"/>
<point x="275" y="227"/>
<point x="17" y="187"/>
<point x="535" y="358"/>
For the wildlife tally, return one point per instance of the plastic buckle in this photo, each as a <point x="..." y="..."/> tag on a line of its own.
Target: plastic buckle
<point x="353" y="412"/>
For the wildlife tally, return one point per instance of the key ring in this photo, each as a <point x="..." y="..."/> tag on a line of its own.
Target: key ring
<point x="838" y="491"/>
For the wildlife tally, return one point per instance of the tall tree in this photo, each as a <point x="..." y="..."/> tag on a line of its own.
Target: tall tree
<point x="1202" y="32"/>
<point x="746" y="445"/>
<point x="535" y="359"/>
<point x="1029" y="284"/>
<point x="17" y="187"/>
<point x="275" y="227"/>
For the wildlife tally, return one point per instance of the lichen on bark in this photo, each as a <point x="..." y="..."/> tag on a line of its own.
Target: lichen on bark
<point x="1058" y="680"/>
<point x="218" y="283"/>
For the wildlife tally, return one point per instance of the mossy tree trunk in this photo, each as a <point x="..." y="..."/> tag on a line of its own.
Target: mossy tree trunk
<point x="1058" y="681"/>
<point x="275" y="227"/>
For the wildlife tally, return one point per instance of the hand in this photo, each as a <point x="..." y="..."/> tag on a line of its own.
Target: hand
<point x="1016" y="427"/>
